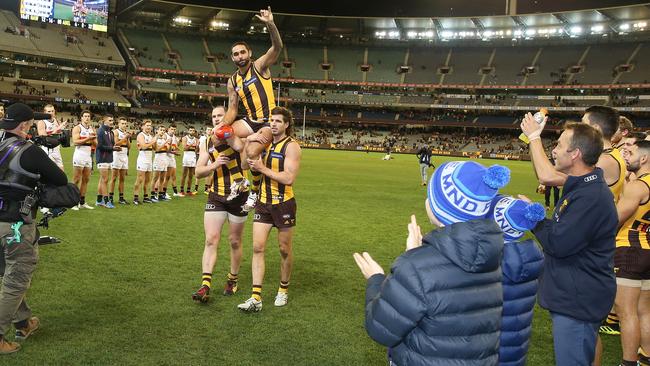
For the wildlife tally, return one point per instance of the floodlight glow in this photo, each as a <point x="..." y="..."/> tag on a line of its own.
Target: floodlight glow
<point x="597" y="28"/>
<point x="411" y="34"/>
<point x="576" y="29"/>
<point x="446" y="34"/>
<point x="393" y="34"/>
<point x="624" y="27"/>
<point x="488" y="34"/>
<point x="428" y="34"/>
<point x="508" y="32"/>
<point x="518" y="32"/>
<point x="530" y="32"/>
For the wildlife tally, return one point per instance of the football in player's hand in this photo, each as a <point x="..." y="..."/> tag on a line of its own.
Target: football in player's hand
<point x="223" y="132"/>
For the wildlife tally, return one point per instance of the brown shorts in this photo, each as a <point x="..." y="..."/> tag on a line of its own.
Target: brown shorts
<point x="219" y="203"/>
<point x="255" y="125"/>
<point x="632" y="263"/>
<point x="281" y="215"/>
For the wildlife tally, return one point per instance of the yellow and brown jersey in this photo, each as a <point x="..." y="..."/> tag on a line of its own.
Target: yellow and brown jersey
<point x="634" y="232"/>
<point x="617" y="187"/>
<point x="272" y="191"/>
<point x="256" y="93"/>
<point x="227" y="173"/>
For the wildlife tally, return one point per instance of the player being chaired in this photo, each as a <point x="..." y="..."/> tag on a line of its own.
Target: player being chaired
<point x="251" y="84"/>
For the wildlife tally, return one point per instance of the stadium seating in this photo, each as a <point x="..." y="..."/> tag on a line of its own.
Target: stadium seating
<point x="345" y="63"/>
<point x="508" y="64"/>
<point x="191" y="52"/>
<point x="641" y="71"/>
<point x="465" y="63"/>
<point x="306" y="62"/>
<point x="424" y="64"/>
<point x="150" y="47"/>
<point x="384" y="64"/>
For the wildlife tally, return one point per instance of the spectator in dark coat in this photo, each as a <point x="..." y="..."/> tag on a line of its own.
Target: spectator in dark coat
<point x="441" y="303"/>
<point x="104" y="155"/>
<point x="521" y="265"/>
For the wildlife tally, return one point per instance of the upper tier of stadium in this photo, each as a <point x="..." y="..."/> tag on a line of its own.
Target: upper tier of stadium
<point x="595" y="64"/>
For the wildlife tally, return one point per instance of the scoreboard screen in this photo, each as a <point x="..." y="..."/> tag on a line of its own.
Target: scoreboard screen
<point x="89" y="14"/>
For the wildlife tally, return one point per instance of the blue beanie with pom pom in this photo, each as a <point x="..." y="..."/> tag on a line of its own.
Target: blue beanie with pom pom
<point x="460" y="191"/>
<point x="515" y="216"/>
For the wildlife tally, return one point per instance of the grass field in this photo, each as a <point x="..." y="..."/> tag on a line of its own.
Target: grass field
<point x="117" y="291"/>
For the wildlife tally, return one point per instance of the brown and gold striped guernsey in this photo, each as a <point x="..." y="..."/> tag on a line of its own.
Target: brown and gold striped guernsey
<point x="272" y="191"/>
<point x="256" y="93"/>
<point x="634" y="232"/>
<point x="617" y="187"/>
<point x="225" y="174"/>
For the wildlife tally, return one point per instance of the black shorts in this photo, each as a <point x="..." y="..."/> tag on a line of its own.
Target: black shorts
<point x="255" y="125"/>
<point x="281" y="215"/>
<point x="218" y="203"/>
<point x="632" y="263"/>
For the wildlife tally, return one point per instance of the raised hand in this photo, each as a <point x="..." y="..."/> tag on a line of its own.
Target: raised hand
<point x="265" y="15"/>
<point x="414" y="238"/>
<point x="367" y="265"/>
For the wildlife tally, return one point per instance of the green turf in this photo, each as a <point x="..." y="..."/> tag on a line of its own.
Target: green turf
<point x="117" y="291"/>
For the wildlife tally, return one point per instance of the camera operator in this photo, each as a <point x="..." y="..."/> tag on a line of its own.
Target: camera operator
<point x="22" y="166"/>
<point x="51" y="127"/>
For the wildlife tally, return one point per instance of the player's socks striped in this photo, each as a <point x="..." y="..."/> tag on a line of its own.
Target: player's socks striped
<point x="257" y="181"/>
<point x="206" y="280"/>
<point x="612" y="318"/>
<point x="284" y="287"/>
<point x="257" y="292"/>
<point x="196" y="188"/>
<point x="233" y="277"/>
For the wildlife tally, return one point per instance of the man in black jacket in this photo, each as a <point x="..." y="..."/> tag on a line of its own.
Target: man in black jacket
<point x="104" y="157"/>
<point x="22" y="167"/>
<point x="424" y="157"/>
<point x="577" y="284"/>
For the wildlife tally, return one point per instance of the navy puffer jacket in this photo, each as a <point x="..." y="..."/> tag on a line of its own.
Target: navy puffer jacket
<point x="441" y="303"/>
<point x="521" y="265"/>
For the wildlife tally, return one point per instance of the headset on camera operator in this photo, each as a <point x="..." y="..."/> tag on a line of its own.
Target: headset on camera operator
<point x="23" y="168"/>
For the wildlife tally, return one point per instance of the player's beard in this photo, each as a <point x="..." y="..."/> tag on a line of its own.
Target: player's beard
<point x="243" y="63"/>
<point x="633" y="166"/>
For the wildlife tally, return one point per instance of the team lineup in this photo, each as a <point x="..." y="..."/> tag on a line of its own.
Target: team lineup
<point x="259" y="143"/>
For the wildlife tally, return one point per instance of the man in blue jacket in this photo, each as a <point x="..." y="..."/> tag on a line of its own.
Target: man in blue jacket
<point x="441" y="303"/>
<point x="577" y="284"/>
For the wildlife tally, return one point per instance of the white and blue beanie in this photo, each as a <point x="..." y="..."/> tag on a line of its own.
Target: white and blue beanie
<point x="515" y="216"/>
<point x="463" y="190"/>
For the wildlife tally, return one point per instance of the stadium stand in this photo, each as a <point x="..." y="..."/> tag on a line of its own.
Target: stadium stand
<point x="345" y="63"/>
<point x="384" y="64"/>
<point x="424" y="64"/>
<point x="150" y="47"/>
<point x="306" y="62"/>
<point x="191" y="52"/>
<point x="508" y="65"/>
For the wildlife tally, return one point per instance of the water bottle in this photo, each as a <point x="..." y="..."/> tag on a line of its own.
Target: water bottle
<point x="539" y="118"/>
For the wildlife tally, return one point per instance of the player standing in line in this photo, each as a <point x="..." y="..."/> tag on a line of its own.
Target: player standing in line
<point x="252" y="85"/>
<point x="146" y="142"/>
<point x="160" y="162"/>
<point x="171" y="155"/>
<point x="120" y="159"/>
<point x="51" y="127"/>
<point x="277" y="207"/>
<point x="189" y="145"/>
<point x="84" y="138"/>
<point x="219" y="157"/>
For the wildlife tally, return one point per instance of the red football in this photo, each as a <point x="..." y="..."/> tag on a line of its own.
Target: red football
<point x="224" y="132"/>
